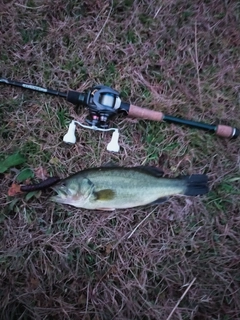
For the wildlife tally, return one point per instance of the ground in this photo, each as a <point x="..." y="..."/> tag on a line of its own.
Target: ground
<point x="178" y="260"/>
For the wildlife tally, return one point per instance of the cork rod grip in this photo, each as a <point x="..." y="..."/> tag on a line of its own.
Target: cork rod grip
<point x="141" y="113"/>
<point x="226" y="131"/>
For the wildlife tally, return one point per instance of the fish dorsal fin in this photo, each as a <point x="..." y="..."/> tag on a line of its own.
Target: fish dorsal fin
<point x="110" y="164"/>
<point x="154" y="171"/>
<point x="105" y="194"/>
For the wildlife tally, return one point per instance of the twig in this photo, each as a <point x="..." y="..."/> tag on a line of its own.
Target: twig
<point x="139" y="224"/>
<point x="183" y="295"/>
<point x="26" y="7"/>
<point x="157" y="12"/>
<point x="197" y="67"/>
<point x="108" y="16"/>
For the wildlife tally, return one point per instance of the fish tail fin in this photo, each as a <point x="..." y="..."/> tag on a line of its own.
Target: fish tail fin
<point x="196" y="184"/>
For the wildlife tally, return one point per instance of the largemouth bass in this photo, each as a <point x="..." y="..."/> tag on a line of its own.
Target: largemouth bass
<point x="110" y="188"/>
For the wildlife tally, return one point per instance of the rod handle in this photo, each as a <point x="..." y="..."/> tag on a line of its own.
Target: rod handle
<point x="142" y="113"/>
<point x="227" y="131"/>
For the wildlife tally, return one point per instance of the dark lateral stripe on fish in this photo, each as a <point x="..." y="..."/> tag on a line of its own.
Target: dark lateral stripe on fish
<point x="196" y="184"/>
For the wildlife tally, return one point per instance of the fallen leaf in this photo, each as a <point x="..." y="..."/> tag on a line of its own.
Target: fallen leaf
<point x="28" y="181"/>
<point x="32" y="194"/>
<point x="82" y="299"/>
<point x="14" y="189"/>
<point x="54" y="161"/>
<point x="108" y="248"/>
<point x="114" y="270"/>
<point x="33" y="283"/>
<point x="24" y="175"/>
<point x="7" y="175"/>
<point x="41" y="173"/>
<point x="11" y="161"/>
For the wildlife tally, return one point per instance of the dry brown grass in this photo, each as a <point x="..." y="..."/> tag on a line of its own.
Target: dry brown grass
<point x="182" y="262"/>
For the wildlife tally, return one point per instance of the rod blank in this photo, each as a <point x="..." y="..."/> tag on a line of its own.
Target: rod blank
<point x="33" y="87"/>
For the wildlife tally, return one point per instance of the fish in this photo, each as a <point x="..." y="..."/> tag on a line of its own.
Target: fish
<point x="110" y="188"/>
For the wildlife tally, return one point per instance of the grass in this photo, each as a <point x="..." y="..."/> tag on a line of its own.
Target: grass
<point x="182" y="261"/>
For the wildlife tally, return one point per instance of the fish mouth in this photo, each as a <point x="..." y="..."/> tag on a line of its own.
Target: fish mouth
<point x="62" y="194"/>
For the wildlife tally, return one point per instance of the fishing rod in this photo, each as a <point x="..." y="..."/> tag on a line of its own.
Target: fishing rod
<point x="103" y="103"/>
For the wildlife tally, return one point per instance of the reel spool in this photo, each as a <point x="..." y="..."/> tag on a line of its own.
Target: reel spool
<point x="103" y="103"/>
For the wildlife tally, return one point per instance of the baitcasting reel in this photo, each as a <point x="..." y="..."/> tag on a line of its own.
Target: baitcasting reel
<point x="103" y="104"/>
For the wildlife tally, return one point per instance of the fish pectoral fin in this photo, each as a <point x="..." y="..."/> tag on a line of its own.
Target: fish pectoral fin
<point x="105" y="194"/>
<point x="158" y="201"/>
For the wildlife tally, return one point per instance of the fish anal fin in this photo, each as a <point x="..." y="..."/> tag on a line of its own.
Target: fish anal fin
<point x="106" y="209"/>
<point x="158" y="201"/>
<point x="105" y="194"/>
